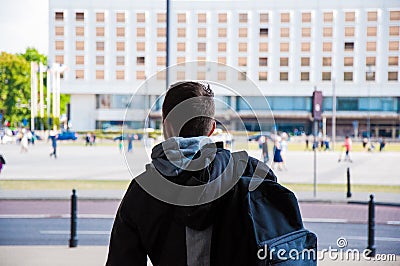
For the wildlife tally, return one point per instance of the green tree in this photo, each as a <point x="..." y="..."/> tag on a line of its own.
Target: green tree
<point x="14" y="87"/>
<point x="31" y="54"/>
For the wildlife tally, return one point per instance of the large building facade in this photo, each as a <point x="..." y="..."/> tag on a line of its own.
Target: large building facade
<point x="288" y="48"/>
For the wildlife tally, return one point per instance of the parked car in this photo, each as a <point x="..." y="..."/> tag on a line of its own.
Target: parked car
<point x="67" y="135"/>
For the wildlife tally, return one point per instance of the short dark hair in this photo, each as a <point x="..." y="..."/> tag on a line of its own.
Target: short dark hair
<point x="202" y="111"/>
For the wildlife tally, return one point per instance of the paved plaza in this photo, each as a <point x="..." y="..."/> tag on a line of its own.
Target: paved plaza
<point x="106" y="162"/>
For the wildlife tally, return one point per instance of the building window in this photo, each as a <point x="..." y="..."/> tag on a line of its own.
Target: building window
<point x="348" y="61"/>
<point x="327" y="61"/>
<point x="79" y="74"/>
<point x="120" y="60"/>
<point x="161" y="32"/>
<point x="262" y="75"/>
<point x="222" y="32"/>
<point x="284" y="76"/>
<point x="326" y="76"/>
<point x="243" y="18"/>
<point x="99" y="60"/>
<point x="100" y="46"/>
<point x="370" y="76"/>
<point x="161" y="47"/>
<point x="242" y="47"/>
<point x="306" y="32"/>
<point x="100" y="74"/>
<point x="79" y="31"/>
<point x="222" y="18"/>
<point x="306" y="17"/>
<point x="59" y="16"/>
<point x="264" y="18"/>
<point x="372" y="16"/>
<point x="161" y="75"/>
<point x="327" y="32"/>
<point x="394" y="46"/>
<point x="182" y="18"/>
<point x="80" y="45"/>
<point x="284" y="47"/>
<point x="393" y="76"/>
<point x="140" y="60"/>
<point x="305" y="46"/>
<point x="371" y="31"/>
<point x="201" y="47"/>
<point x="348" y="76"/>
<point x="201" y="61"/>
<point x="120" y="74"/>
<point x="201" y="75"/>
<point x="305" y="76"/>
<point x="201" y="32"/>
<point x="305" y="61"/>
<point x="79" y="16"/>
<point x="393" y="61"/>
<point x="140" y="75"/>
<point x="350" y="16"/>
<point x="371" y="46"/>
<point x="59" y="31"/>
<point x="242" y="76"/>
<point x="221" y="47"/>
<point x="79" y="60"/>
<point x="221" y="75"/>
<point x="284" y="32"/>
<point x="181" y="46"/>
<point x="180" y="59"/>
<point x="370" y="61"/>
<point x="242" y="32"/>
<point x="202" y="18"/>
<point x="222" y="60"/>
<point x="120" y="17"/>
<point x="242" y="61"/>
<point x="180" y="75"/>
<point x="140" y="17"/>
<point x="99" y="17"/>
<point x="120" y="46"/>
<point x="140" y="46"/>
<point x="394" y="30"/>
<point x="285" y="17"/>
<point x="263" y="47"/>
<point x="263" y="32"/>
<point x="284" y="61"/>
<point x="181" y="32"/>
<point x="328" y="16"/>
<point x="394" y="15"/>
<point x="263" y="61"/>
<point x="327" y="47"/>
<point x="349" y="46"/>
<point x="161" y="17"/>
<point x="349" y="31"/>
<point x="120" y="32"/>
<point x="140" y="32"/>
<point x="161" y="60"/>
<point x="59" y="59"/>
<point x="100" y="31"/>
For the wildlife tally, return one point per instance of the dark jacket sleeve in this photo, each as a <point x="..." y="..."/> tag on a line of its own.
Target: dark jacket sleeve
<point x="126" y="247"/>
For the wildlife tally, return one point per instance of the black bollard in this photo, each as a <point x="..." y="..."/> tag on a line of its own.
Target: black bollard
<point x="73" y="241"/>
<point x="371" y="227"/>
<point x="348" y="183"/>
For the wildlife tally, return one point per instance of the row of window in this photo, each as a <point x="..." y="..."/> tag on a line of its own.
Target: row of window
<point x="262" y="75"/>
<point x="285" y="17"/>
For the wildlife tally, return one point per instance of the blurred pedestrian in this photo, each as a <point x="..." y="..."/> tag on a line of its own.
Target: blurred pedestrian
<point x="24" y="141"/>
<point x="88" y="139"/>
<point x="277" y="155"/>
<point x="130" y="143"/>
<point x="347" y="145"/>
<point x="382" y="144"/>
<point x="53" y="137"/>
<point x="2" y="162"/>
<point x="265" y="154"/>
<point x="307" y="142"/>
<point x="364" y="143"/>
<point x="93" y="139"/>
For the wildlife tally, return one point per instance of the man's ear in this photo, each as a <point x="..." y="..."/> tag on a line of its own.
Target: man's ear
<point x="168" y="131"/>
<point x="214" y="125"/>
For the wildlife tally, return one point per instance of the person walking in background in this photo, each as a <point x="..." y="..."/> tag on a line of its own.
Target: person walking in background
<point x="130" y="143"/>
<point x="24" y="141"/>
<point x="2" y="162"/>
<point x="53" y="138"/>
<point x="382" y="144"/>
<point x="277" y="154"/>
<point x="347" y="145"/>
<point x="265" y="154"/>
<point x="88" y="137"/>
<point x="307" y="142"/>
<point x="284" y="149"/>
<point x="93" y="139"/>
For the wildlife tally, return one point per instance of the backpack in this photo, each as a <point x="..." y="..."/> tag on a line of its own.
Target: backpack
<point x="279" y="235"/>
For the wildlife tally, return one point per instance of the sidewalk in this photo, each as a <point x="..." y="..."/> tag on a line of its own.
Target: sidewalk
<point x="96" y="255"/>
<point x="325" y="197"/>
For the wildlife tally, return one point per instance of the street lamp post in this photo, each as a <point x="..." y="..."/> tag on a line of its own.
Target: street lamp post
<point x="333" y="114"/>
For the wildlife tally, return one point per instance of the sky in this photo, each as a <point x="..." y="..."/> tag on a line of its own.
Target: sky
<point x="24" y="23"/>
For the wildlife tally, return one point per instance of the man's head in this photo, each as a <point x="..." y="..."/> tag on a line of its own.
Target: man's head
<point x="188" y="98"/>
